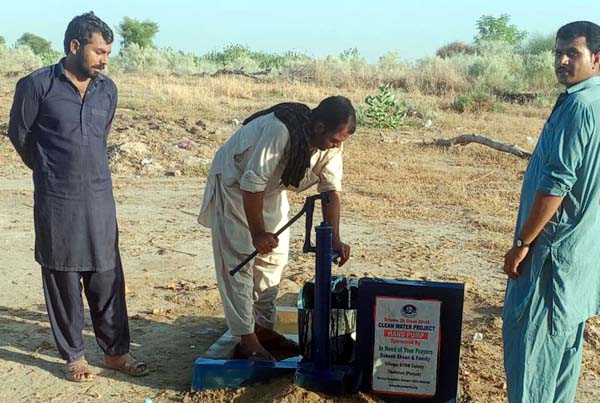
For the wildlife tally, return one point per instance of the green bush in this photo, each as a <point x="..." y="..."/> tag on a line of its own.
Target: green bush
<point x="149" y="60"/>
<point x="135" y="59"/>
<point x="455" y="48"/>
<point x="51" y="57"/>
<point x="384" y="110"/>
<point x="228" y="55"/>
<point x="241" y="57"/>
<point x="538" y="43"/>
<point x="538" y="72"/>
<point x="18" y="61"/>
<point x="497" y="67"/>
<point x="477" y="101"/>
<point x="437" y="76"/>
<point x="334" y="70"/>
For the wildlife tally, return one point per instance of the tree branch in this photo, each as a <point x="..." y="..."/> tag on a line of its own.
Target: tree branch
<point x="476" y="138"/>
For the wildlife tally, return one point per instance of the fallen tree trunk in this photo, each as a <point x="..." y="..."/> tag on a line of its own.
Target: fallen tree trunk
<point x="476" y="138"/>
<point x="254" y="75"/>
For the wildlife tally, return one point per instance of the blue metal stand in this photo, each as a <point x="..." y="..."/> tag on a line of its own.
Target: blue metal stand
<point x="320" y="375"/>
<point x="322" y="295"/>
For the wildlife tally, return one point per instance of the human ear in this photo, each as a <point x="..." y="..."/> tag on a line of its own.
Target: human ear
<point x="319" y="128"/>
<point x="596" y="60"/>
<point x="74" y="46"/>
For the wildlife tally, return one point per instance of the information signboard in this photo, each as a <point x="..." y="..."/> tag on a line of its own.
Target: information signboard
<point x="406" y="346"/>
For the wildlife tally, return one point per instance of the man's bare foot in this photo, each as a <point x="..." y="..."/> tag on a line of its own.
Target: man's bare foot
<point x="277" y="344"/>
<point x="126" y="364"/>
<point x="78" y="371"/>
<point x="251" y="349"/>
<point x="269" y="338"/>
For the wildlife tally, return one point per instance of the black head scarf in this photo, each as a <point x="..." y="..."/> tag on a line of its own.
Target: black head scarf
<point x="295" y="116"/>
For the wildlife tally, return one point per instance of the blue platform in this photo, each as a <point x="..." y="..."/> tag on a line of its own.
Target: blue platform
<point x="217" y="369"/>
<point x="210" y="373"/>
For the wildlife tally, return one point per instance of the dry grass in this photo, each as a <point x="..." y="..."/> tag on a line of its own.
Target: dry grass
<point x="217" y="97"/>
<point x="386" y="173"/>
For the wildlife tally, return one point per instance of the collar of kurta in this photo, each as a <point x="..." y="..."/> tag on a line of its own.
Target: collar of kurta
<point x="590" y="82"/>
<point x="59" y="71"/>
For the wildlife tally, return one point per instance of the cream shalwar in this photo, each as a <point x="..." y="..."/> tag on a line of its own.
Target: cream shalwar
<point x="253" y="160"/>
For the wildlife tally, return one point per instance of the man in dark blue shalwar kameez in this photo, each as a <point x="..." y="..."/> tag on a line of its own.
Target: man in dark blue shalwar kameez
<point x="59" y="123"/>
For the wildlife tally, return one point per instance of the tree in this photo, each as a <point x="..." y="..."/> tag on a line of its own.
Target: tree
<point x="350" y="54"/>
<point x="138" y="32"/>
<point x="497" y="29"/>
<point x="38" y="45"/>
<point x="2" y="40"/>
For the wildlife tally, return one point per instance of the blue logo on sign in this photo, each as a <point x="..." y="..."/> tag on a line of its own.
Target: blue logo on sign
<point x="409" y="310"/>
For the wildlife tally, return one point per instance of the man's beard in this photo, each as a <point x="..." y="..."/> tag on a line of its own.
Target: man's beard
<point x="85" y="70"/>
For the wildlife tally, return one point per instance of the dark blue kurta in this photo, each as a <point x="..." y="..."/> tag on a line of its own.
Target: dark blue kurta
<point x="62" y="138"/>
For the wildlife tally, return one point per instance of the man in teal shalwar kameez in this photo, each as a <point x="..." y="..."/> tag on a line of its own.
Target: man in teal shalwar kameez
<point x="554" y="265"/>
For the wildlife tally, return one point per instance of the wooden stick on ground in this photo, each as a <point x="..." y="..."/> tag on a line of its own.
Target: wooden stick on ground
<point x="476" y="138"/>
<point x="241" y="72"/>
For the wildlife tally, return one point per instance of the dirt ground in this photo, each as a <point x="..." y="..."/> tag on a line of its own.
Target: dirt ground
<point x="410" y="212"/>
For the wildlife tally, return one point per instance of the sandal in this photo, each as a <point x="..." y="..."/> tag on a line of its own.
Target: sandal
<point x="129" y="366"/>
<point x="256" y="355"/>
<point x="78" y="371"/>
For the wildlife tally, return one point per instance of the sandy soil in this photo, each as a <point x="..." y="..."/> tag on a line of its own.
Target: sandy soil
<point x="168" y="268"/>
<point x="415" y="214"/>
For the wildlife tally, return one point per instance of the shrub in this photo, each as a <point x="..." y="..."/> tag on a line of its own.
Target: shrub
<point x="51" y="57"/>
<point x="497" y="67"/>
<point x="334" y="70"/>
<point x="455" y="48"/>
<point x="228" y="55"/>
<point x="384" y="110"/>
<point x="18" y="61"/>
<point x="241" y="57"/>
<point x="135" y="59"/>
<point x="538" y="73"/>
<point x="437" y="76"/>
<point x="538" y="43"/>
<point x="476" y="101"/>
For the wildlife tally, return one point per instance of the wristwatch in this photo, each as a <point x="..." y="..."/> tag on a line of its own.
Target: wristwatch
<point x="520" y="244"/>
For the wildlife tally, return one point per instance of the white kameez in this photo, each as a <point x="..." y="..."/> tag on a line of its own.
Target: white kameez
<point x="253" y="160"/>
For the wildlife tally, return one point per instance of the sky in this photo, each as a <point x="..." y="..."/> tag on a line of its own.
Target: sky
<point x="414" y="29"/>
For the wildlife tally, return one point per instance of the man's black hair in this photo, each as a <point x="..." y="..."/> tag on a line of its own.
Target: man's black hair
<point x="334" y="112"/>
<point x="83" y="26"/>
<point x="587" y="29"/>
